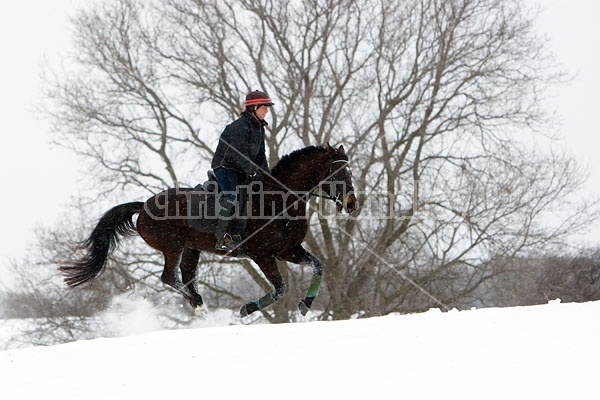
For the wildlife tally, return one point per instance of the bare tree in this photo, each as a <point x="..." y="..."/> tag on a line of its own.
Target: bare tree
<point x="432" y="99"/>
<point x="571" y="278"/>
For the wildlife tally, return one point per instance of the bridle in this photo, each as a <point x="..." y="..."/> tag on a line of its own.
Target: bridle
<point x="336" y="198"/>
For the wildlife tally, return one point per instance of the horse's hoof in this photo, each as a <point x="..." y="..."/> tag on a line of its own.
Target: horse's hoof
<point x="303" y="308"/>
<point x="201" y="311"/>
<point x="248" y="309"/>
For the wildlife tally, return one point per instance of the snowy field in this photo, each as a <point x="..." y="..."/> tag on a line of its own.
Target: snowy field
<point x="538" y="352"/>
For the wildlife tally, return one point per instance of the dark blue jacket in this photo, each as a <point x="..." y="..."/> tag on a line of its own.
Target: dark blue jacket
<point x="242" y="146"/>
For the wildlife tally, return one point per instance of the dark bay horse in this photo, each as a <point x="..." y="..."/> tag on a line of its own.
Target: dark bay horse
<point x="276" y="227"/>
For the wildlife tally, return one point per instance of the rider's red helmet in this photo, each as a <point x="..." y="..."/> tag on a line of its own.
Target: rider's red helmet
<point x="257" y="98"/>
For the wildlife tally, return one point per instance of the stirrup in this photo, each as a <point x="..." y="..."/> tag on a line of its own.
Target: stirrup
<point x="227" y="243"/>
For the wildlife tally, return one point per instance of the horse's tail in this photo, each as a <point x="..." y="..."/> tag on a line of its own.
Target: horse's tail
<point x="101" y="243"/>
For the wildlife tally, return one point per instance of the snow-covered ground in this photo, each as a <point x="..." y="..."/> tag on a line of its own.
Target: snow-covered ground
<point x="538" y="352"/>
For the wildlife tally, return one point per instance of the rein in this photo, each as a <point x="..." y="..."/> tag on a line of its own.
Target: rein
<point x="301" y="197"/>
<point x="311" y="192"/>
<point x="323" y="196"/>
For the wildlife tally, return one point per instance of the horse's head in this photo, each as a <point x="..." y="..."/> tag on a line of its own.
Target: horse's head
<point x="337" y="182"/>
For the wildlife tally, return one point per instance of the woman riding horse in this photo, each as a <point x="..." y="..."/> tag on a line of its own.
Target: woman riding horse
<point x="160" y="223"/>
<point x="240" y="156"/>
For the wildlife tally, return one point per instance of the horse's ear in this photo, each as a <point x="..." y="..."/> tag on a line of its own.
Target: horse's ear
<point x="329" y="148"/>
<point x="341" y="149"/>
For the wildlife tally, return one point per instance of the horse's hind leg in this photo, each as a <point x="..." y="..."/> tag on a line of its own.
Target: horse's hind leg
<point x="170" y="274"/>
<point x="271" y="271"/>
<point x="188" y="267"/>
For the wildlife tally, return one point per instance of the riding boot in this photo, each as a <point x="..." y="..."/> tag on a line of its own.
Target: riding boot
<point x="238" y="225"/>
<point x="224" y="240"/>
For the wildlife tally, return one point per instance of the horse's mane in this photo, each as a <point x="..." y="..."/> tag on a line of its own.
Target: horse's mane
<point x="295" y="156"/>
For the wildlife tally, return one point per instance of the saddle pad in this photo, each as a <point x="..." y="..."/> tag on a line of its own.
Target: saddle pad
<point x="201" y="208"/>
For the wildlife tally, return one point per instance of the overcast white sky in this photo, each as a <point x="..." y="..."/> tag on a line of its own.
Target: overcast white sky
<point x="38" y="179"/>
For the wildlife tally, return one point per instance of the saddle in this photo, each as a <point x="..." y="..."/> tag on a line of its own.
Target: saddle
<point x="203" y="207"/>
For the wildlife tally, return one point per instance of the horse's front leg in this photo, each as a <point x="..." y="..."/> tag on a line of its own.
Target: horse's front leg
<point x="299" y="255"/>
<point x="315" y="284"/>
<point x="271" y="271"/>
